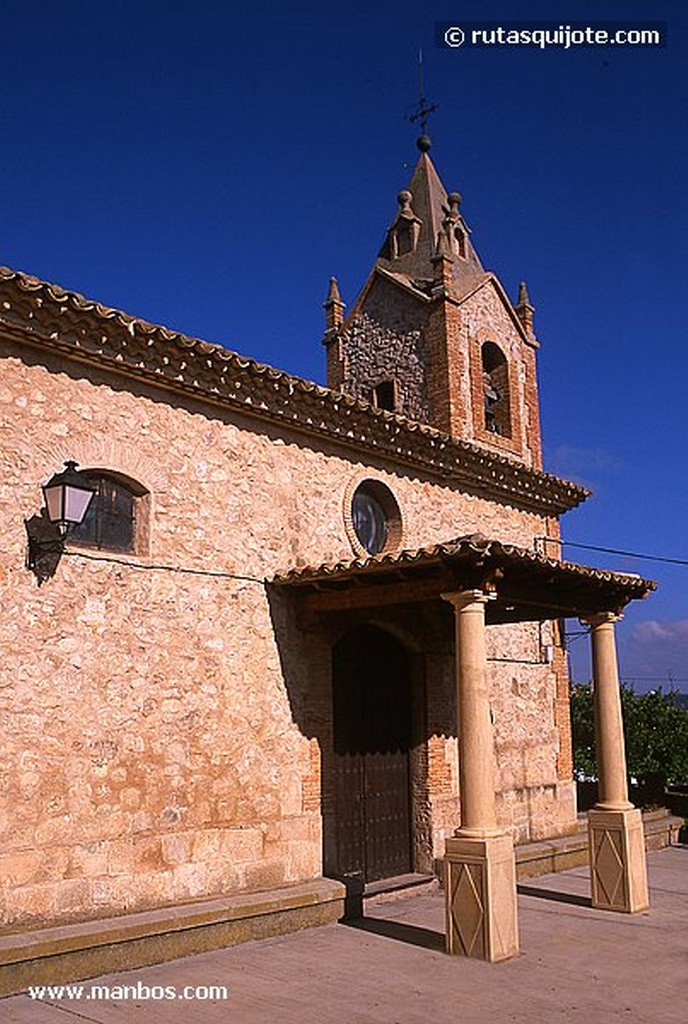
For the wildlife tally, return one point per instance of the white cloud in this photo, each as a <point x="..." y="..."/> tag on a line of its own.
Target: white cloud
<point x="654" y="631"/>
<point x="583" y="464"/>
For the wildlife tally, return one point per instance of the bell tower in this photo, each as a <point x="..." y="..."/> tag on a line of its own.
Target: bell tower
<point x="433" y="336"/>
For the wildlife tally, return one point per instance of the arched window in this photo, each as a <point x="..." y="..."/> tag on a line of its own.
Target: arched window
<point x="405" y="238"/>
<point x="111" y="521"/>
<point x="495" y="371"/>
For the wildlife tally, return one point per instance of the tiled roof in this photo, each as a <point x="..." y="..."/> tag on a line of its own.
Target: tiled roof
<point x="35" y="312"/>
<point x="579" y="587"/>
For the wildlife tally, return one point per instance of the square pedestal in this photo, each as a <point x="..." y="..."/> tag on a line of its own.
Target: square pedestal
<point x="480" y="883"/>
<point x="617" y="860"/>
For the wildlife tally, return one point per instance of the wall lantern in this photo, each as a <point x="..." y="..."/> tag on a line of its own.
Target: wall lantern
<point x="67" y="497"/>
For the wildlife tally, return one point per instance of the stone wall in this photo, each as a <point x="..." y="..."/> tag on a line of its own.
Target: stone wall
<point x="535" y="798"/>
<point x="153" y="710"/>
<point x="383" y="341"/>
<point x="375" y="354"/>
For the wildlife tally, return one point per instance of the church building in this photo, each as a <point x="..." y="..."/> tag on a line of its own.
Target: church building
<point x="305" y="638"/>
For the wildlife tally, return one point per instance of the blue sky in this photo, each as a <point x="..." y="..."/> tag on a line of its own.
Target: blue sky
<point x="208" y="167"/>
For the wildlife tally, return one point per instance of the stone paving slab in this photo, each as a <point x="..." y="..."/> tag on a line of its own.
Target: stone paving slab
<point x="577" y="966"/>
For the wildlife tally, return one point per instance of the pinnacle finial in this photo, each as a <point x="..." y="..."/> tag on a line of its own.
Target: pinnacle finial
<point x="333" y="294"/>
<point x="524" y="310"/>
<point x="405" y="198"/>
<point x="523" y="297"/>
<point x="334" y="307"/>
<point x="454" y="200"/>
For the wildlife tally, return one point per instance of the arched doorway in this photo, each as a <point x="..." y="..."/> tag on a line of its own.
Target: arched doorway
<point x="371" y="683"/>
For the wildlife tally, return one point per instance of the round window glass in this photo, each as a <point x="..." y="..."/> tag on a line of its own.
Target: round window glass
<point x="370" y="521"/>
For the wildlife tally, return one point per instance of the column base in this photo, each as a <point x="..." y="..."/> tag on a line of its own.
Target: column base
<point x="480" y="884"/>
<point x="618" y="869"/>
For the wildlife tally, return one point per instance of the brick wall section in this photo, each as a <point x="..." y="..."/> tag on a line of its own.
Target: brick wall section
<point x="163" y="737"/>
<point x="532" y="406"/>
<point x="486" y="319"/>
<point x="336" y="361"/>
<point x="562" y="709"/>
<point x="313" y="779"/>
<point x="449" y="368"/>
<point x="443" y="776"/>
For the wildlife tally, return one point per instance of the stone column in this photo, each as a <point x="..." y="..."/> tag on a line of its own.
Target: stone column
<point x="480" y="868"/>
<point x="615" y="828"/>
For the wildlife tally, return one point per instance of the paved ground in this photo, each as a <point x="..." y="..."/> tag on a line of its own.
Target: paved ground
<point x="576" y="965"/>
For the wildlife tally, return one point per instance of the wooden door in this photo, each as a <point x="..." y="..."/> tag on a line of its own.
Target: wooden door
<point x="372" y="737"/>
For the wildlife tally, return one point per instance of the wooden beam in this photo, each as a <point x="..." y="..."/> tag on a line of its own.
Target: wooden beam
<point x="377" y="594"/>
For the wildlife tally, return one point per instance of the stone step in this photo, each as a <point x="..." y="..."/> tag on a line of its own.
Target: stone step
<point x="52" y="956"/>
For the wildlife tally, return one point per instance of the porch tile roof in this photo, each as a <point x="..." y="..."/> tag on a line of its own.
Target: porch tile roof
<point x="517" y="576"/>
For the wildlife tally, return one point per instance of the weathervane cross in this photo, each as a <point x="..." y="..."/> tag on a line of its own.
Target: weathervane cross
<point x="424" y="108"/>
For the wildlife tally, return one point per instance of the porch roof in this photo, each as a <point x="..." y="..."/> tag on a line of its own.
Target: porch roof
<point x="525" y="585"/>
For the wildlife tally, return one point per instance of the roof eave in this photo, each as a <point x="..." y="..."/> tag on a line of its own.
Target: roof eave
<point x="49" y="317"/>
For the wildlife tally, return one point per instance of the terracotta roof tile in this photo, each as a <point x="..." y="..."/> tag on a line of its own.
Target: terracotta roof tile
<point x="469" y="548"/>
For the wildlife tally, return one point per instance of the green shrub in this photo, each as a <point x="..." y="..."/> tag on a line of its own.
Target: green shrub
<point x="655" y="730"/>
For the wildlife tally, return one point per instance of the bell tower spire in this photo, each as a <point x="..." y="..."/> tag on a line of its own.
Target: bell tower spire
<point x="433" y="336"/>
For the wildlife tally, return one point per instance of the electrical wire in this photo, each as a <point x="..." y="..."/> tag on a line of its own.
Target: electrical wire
<point x="626" y="554"/>
<point x="669" y="678"/>
<point x="254" y="579"/>
<point x="166" y="568"/>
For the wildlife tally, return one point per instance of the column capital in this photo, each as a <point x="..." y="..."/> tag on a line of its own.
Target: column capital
<point x="601" y="618"/>
<point x="462" y="598"/>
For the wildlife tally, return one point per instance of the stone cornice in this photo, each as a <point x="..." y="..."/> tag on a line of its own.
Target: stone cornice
<point x="34" y="312"/>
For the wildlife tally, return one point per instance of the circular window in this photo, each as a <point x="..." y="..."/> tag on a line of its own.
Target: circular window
<point x="374" y="518"/>
<point x="370" y="521"/>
